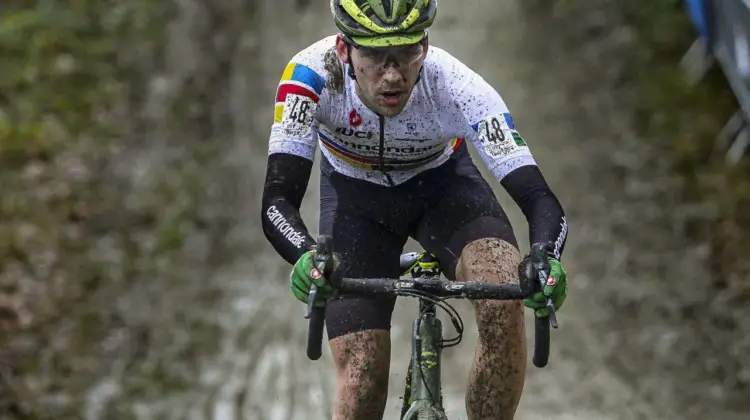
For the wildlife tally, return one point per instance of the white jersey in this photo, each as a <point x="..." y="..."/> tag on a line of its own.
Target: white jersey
<point x="449" y="105"/>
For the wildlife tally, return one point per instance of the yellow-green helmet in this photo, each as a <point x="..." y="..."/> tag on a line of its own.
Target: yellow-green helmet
<point x="384" y="23"/>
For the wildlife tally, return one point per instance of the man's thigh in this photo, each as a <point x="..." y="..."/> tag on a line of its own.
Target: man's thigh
<point x="464" y="212"/>
<point x="368" y="232"/>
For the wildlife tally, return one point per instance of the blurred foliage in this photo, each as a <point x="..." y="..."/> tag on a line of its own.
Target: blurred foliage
<point x="62" y="71"/>
<point x="684" y="120"/>
<point x="675" y="277"/>
<point x="60" y="61"/>
<point x="98" y="206"/>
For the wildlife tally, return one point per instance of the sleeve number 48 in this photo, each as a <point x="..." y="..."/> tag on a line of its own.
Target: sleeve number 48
<point x="300" y="110"/>
<point x="494" y="130"/>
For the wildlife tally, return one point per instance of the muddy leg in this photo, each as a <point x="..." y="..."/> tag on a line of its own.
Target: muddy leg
<point x="497" y="375"/>
<point x="362" y="360"/>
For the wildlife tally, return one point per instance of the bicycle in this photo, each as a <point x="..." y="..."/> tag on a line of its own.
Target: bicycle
<point x="422" y="393"/>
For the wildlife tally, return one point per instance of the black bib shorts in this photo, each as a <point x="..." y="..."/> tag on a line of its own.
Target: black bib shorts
<point x="444" y="209"/>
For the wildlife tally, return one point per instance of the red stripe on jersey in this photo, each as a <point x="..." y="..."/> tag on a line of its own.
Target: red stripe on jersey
<point x="291" y="89"/>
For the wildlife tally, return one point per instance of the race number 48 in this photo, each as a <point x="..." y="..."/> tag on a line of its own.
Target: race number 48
<point x="498" y="139"/>
<point x="300" y="109"/>
<point x="494" y="130"/>
<point x="298" y="115"/>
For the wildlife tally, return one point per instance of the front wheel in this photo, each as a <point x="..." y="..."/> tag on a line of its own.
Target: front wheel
<point x="425" y="412"/>
<point x="429" y="415"/>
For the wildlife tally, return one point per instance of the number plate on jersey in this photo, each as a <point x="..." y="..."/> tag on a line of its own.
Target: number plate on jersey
<point x="498" y="138"/>
<point x="298" y="115"/>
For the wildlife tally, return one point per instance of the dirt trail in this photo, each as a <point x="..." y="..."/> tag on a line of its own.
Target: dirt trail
<point x="577" y="384"/>
<point x="232" y="345"/>
<point x="553" y="117"/>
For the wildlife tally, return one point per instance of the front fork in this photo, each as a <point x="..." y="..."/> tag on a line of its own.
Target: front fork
<point x="427" y="334"/>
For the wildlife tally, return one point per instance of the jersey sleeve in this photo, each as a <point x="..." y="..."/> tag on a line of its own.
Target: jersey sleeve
<point x="487" y="120"/>
<point x="295" y="122"/>
<point x="489" y="126"/>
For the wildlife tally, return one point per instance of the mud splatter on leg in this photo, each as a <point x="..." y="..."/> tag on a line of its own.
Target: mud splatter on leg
<point x="497" y="375"/>
<point x="363" y="361"/>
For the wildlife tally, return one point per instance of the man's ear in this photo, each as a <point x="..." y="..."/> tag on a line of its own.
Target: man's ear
<point x="342" y="49"/>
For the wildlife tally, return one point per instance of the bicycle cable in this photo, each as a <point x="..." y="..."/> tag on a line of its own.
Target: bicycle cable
<point x="441" y="303"/>
<point x="452" y="313"/>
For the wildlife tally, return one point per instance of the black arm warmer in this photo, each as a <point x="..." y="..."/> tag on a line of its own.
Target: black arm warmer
<point x="286" y="182"/>
<point x="544" y="214"/>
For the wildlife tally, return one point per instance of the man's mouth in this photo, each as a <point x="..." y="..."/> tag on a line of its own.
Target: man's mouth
<point x="391" y="97"/>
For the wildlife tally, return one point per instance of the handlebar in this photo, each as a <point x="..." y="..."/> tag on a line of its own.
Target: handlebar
<point x="435" y="287"/>
<point x="317" y="314"/>
<point x="541" y="325"/>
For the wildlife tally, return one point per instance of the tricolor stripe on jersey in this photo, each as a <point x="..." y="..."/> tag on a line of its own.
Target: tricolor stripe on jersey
<point x="297" y="79"/>
<point x="368" y="163"/>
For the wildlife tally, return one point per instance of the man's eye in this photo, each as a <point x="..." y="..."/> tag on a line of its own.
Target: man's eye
<point x="408" y="53"/>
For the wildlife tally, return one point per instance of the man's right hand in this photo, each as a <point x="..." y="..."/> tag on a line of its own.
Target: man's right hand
<point x="304" y="275"/>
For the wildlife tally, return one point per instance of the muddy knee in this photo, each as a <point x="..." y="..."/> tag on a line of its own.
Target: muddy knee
<point x="493" y="260"/>
<point x="489" y="260"/>
<point x="362" y="360"/>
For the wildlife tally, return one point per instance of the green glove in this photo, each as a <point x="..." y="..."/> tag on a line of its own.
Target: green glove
<point x="556" y="289"/>
<point x="304" y="275"/>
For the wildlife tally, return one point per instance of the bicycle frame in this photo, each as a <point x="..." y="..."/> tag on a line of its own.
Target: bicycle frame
<point x="423" y="379"/>
<point x="423" y="394"/>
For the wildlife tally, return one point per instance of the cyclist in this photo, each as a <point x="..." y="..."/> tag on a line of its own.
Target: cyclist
<point x="393" y="117"/>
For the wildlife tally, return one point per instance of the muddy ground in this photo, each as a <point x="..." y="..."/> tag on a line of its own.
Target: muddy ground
<point x="231" y="345"/>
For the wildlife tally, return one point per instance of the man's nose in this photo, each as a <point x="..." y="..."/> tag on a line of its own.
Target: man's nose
<point x="391" y="74"/>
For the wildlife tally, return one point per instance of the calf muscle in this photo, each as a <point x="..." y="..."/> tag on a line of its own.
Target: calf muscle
<point x="362" y="360"/>
<point x="497" y="375"/>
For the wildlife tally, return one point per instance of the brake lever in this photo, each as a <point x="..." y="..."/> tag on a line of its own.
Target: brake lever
<point x="539" y="260"/>
<point x="543" y="276"/>
<point x="322" y="265"/>
<point x="312" y="295"/>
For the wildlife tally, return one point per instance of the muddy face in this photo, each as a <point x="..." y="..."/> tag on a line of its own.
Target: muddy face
<point x="385" y="77"/>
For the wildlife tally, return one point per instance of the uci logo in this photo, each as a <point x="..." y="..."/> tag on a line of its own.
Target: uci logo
<point x="350" y="132"/>
<point x="355" y="119"/>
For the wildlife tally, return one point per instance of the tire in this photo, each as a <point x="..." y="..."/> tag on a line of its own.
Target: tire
<point x="427" y="415"/>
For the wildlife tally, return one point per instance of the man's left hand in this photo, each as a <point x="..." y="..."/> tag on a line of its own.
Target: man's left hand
<point x="556" y="289"/>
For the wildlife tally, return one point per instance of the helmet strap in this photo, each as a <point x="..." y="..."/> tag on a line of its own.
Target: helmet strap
<point x="350" y="69"/>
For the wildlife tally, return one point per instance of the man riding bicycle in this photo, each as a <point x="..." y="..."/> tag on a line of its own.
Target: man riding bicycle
<point x="393" y="116"/>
